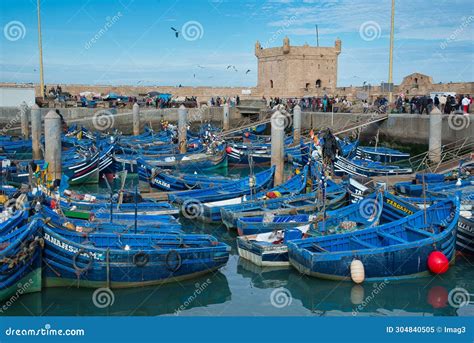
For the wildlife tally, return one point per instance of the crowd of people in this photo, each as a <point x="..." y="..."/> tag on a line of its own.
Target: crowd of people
<point x="424" y="104"/>
<point x="314" y="104"/>
<point x="447" y="104"/>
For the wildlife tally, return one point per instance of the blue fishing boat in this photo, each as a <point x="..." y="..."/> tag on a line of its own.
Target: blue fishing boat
<point x="368" y="168"/>
<point x="269" y="222"/>
<point x="108" y="260"/>
<point x="396" y="250"/>
<point x="292" y="204"/>
<point x="381" y="154"/>
<point x="168" y="180"/>
<point x="60" y="222"/>
<point x="245" y="186"/>
<point x="268" y="248"/>
<point x="20" y="257"/>
<point x="212" y="211"/>
<point x="189" y="163"/>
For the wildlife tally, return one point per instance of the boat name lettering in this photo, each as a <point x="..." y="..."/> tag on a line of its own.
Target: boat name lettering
<point x="62" y="245"/>
<point x="399" y="207"/>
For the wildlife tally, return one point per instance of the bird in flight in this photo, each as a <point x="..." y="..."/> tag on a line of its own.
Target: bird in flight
<point x="248" y="71"/>
<point x="199" y="66"/>
<point x="176" y="32"/>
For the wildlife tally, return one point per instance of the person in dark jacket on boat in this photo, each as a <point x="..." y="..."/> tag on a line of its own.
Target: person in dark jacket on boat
<point x="330" y="149"/>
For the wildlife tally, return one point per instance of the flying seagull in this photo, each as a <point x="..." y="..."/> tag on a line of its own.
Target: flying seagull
<point x="176" y="32"/>
<point x="248" y="71"/>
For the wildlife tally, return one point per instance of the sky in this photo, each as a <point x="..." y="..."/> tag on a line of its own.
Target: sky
<point x="133" y="42"/>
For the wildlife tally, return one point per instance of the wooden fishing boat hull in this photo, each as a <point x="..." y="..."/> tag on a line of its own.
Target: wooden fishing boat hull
<point x="212" y="212"/>
<point x="409" y="258"/>
<point x="397" y="250"/>
<point x="268" y="256"/>
<point x="465" y="239"/>
<point x="24" y="275"/>
<point x="231" y="190"/>
<point x="71" y="264"/>
<point x="344" y="166"/>
<point x="381" y="154"/>
<point x="84" y="172"/>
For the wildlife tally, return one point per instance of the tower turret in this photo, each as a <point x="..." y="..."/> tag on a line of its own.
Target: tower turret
<point x="337" y="46"/>
<point x="258" y="47"/>
<point x="286" y="45"/>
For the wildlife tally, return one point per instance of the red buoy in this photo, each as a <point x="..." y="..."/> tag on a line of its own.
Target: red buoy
<point x="438" y="263"/>
<point x="228" y="149"/>
<point x="438" y="297"/>
<point x="247" y="134"/>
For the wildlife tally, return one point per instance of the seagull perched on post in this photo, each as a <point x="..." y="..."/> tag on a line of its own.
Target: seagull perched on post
<point x="176" y="32"/>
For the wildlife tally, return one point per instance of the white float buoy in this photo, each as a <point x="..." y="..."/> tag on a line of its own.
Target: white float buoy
<point x="357" y="271"/>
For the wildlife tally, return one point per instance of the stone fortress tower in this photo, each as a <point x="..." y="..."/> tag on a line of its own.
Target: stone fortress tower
<point x="294" y="70"/>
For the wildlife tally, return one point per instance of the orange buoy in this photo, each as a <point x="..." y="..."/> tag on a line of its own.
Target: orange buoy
<point x="438" y="263"/>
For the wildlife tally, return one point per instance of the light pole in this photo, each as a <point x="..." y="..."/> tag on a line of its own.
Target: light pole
<point x="390" y="63"/>
<point x="40" y="48"/>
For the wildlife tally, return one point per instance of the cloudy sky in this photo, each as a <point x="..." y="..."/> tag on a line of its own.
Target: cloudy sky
<point x="132" y="41"/>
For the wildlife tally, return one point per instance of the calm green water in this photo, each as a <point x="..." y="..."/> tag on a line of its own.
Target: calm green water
<point x="243" y="289"/>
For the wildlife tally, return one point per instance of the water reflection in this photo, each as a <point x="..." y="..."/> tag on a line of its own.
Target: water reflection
<point x="147" y="301"/>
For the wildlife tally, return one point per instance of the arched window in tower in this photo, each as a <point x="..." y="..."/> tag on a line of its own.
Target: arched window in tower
<point x="307" y="86"/>
<point x="416" y="80"/>
<point x="318" y="83"/>
<point x="271" y="83"/>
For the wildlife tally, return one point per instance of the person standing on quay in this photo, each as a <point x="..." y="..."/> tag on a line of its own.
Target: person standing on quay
<point x="442" y="102"/>
<point x="465" y="104"/>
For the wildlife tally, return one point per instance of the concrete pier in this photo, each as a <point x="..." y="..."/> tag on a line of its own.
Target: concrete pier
<point x="25" y="121"/>
<point x="53" y="149"/>
<point x="296" y="124"/>
<point x="226" y="117"/>
<point x="182" y="129"/>
<point x="278" y="145"/>
<point x="36" y="132"/>
<point x="435" y="138"/>
<point x="136" y="119"/>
